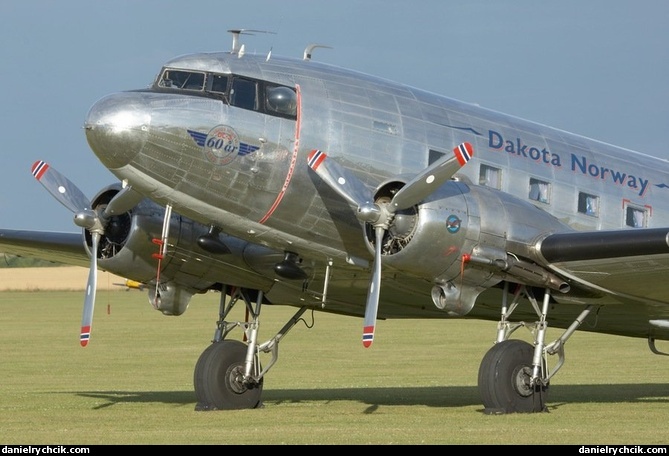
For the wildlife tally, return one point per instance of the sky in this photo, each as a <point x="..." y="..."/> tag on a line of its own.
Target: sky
<point x="598" y="68"/>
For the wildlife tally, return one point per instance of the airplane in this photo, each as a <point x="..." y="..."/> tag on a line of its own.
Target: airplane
<point x="131" y="285"/>
<point x="275" y="180"/>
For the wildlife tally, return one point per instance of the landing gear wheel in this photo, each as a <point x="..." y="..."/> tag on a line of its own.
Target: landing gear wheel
<point x="199" y="378"/>
<point x="504" y="380"/>
<point x="218" y="378"/>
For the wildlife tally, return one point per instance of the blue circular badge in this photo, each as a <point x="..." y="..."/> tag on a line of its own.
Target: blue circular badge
<point x="453" y="224"/>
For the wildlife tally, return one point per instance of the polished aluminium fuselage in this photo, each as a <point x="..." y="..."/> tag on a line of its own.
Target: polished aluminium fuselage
<point x="378" y="129"/>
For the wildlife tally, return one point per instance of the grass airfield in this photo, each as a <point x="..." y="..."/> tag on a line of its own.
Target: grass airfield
<point x="133" y="384"/>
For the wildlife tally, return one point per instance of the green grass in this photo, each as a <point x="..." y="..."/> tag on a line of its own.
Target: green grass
<point x="133" y="384"/>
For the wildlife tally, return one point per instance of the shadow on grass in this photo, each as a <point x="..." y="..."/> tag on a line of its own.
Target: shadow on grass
<point x="449" y="396"/>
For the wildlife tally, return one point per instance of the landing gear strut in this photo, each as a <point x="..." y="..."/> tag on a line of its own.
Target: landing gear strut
<point x="228" y="375"/>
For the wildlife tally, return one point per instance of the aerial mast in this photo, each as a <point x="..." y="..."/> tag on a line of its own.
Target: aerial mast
<point x="236" y="47"/>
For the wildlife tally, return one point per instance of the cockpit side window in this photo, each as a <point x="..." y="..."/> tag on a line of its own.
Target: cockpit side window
<point x="219" y="83"/>
<point x="244" y="94"/>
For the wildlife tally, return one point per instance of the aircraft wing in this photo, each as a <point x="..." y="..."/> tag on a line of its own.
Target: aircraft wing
<point x="633" y="260"/>
<point x="619" y="276"/>
<point x="60" y="247"/>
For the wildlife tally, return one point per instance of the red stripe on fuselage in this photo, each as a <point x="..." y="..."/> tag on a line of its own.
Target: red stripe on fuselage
<point x="293" y="159"/>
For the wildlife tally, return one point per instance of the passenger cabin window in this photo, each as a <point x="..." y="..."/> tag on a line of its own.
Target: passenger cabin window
<point x="588" y="204"/>
<point x="539" y="190"/>
<point x="242" y="92"/>
<point x="636" y="217"/>
<point x="490" y="176"/>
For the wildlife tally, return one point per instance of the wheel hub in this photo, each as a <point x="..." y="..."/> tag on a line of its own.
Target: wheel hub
<point x="236" y="376"/>
<point x="522" y="381"/>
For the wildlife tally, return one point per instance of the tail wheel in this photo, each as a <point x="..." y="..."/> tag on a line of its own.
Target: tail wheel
<point x="219" y="378"/>
<point x="504" y="380"/>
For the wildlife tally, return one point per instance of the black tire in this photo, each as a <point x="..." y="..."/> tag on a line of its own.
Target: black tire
<point x="216" y="378"/>
<point x="504" y="380"/>
<point x="198" y="377"/>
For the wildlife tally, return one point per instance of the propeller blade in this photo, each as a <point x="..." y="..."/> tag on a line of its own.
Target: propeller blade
<point x="374" y="292"/>
<point x="122" y="202"/>
<point x="340" y="179"/>
<point x="432" y="177"/>
<point x="72" y="198"/>
<point x="91" y="287"/>
<point x="60" y="187"/>
<point x="381" y="217"/>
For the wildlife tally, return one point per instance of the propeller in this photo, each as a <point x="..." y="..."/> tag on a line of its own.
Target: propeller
<point x="380" y="215"/>
<point x="86" y="217"/>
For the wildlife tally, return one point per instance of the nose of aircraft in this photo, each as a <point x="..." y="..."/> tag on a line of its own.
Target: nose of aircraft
<point x="116" y="128"/>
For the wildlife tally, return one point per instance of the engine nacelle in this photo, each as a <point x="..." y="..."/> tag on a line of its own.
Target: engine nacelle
<point x="196" y="259"/>
<point x="460" y="238"/>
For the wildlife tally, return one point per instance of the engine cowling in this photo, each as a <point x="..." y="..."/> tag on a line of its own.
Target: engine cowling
<point x="466" y="238"/>
<point x="196" y="259"/>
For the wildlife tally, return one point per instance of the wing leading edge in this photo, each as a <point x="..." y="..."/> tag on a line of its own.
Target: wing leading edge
<point x="60" y="247"/>
<point x="632" y="262"/>
<point x="591" y="245"/>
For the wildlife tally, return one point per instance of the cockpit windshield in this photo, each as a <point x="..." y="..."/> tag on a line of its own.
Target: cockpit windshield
<point x="239" y="91"/>
<point x="177" y="79"/>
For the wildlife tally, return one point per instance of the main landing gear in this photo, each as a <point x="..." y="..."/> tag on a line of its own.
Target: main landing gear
<point x="513" y="375"/>
<point x="228" y="375"/>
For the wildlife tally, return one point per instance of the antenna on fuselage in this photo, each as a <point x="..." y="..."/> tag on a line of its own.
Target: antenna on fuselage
<point x="309" y="49"/>
<point x="236" y="47"/>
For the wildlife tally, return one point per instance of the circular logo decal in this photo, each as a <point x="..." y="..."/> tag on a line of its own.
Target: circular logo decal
<point x="453" y="224"/>
<point x="221" y="145"/>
